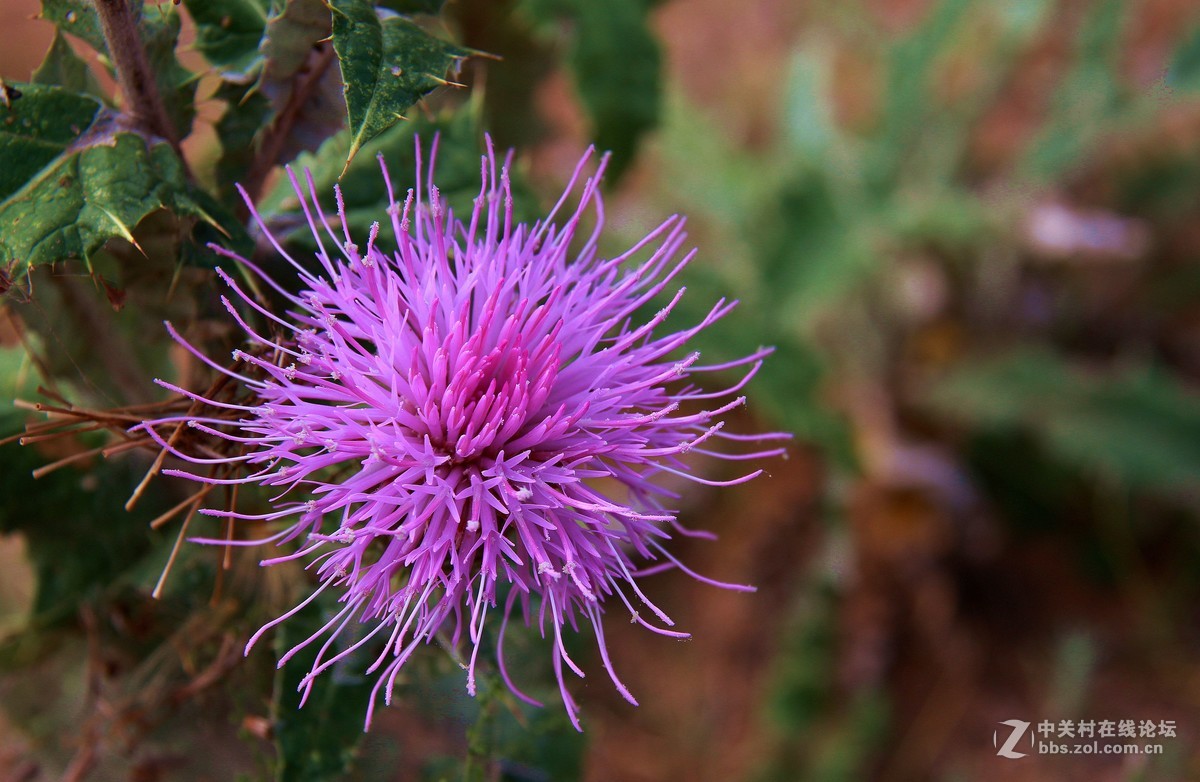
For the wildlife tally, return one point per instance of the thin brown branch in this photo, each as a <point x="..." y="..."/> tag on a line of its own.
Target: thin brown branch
<point x="127" y="445"/>
<point x="58" y="414"/>
<point x="159" y="459"/>
<point x="183" y="528"/>
<point x="228" y="657"/>
<point x="36" y="432"/>
<point x="54" y="395"/>
<point x="193" y="501"/>
<point x="193" y="408"/>
<point x="31" y="350"/>
<point x="134" y="76"/>
<point x="277" y="133"/>
<point x="45" y="470"/>
<point x="227" y="559"/>
<point x="29" y="439"/>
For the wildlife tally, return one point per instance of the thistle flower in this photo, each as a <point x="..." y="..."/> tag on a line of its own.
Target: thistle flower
<point x="464" y="416"/>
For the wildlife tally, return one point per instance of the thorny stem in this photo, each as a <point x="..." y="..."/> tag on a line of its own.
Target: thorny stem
<point x="278" y="132"/>
<point x="134" y="76"/>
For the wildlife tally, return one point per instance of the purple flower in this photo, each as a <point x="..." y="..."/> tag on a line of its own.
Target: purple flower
<point x="459" y="417"/>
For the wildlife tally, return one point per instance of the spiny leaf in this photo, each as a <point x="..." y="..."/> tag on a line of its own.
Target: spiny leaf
<point x="99" y="189"/>
<point x="363" y="190"/>
<point x="229" y="32"/>
<point x="38" y="127"/>
<point x="214" y="224"/>
<point x="62" y="67"/>
<point x="387" y="66"/>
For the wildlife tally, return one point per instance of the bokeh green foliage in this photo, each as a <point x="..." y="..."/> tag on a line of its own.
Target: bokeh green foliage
<point x="1038" y="399"/>
<point x="825" y="217"/>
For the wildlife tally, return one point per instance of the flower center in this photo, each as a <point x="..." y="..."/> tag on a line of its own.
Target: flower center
<point x="485" y="399"/>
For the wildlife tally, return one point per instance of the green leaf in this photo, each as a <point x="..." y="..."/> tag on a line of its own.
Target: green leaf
<point x="859" y="735"/>
<point x="616" y="63"/>
<point x="528" y="742"/>
<point x="413" y="6"/>
<point x="1184" y="71"/>
<point x="808" y="102"/>
<point x="363" y="189"/>
<point x="1089" y="97"/>
<point x="318" y="741"/>
<point x="62" y="67"/>
<point x="510" y="100"/>
<point x="387" y="66"/>
<point x="247" y="111"/>
<point x="215" y="223"/>
<point x="290" y="37"/>
<point x="1140" y="428"/>
<point x="936" y="145"/>
<point x="291" y="49"/>
<point x="802" y="682"/>
<point x="731" y="184"/>
<point x="98" y="191"/>
<point x="38" y="127"/>
<point x="813" y="248"/>
<point x="228" y="32"/>
<point x="789" y="387"/>
<point x="907" y="92"/>
<point x="77" y="17"/>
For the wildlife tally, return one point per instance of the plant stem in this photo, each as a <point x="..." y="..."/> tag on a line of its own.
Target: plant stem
<point x="134" y="76"/>
<point x="481" y="737"/>
<point x="306" y="82"/>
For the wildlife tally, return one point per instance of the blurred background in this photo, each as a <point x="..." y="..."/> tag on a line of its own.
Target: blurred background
<point x="972" y="232"/>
